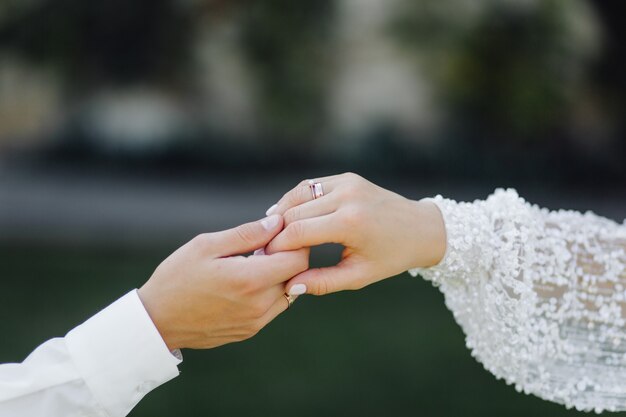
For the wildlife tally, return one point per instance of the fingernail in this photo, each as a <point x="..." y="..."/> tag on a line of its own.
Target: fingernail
<point x="271" y="210"/>
<point x="297" y="289"/>
<point x="259" y="252"/>
<point x="270" y="222"/>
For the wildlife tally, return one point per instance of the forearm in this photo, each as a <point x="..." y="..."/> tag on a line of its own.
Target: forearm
<point x="40" y="385"/>
<point x="103" y="367"/>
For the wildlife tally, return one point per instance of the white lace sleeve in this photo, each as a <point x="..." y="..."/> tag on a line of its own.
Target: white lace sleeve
<point x="540" y="296"/>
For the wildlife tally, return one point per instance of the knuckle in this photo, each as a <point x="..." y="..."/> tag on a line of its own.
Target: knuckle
<point x="258" y="309"/>
<point x="318" y="284"/>
<point x="291" y="197"/>
<point x="294" y="231"/>
<point x="257" y="326"/>
<point x="354" y="216"/>
<point x="244" y="285"/>
<point x="292" y="215"/>
<point x="322" y="287"/>
<point x="246" y="233"/>
<point x="300" y="194"/>
<point x="202" y="241"/>
<point x="247" y="333"/>
<point x="352" y="190"/>
<point x="355" y="182"/>
<point x="252" y="330"/>
<point x="348" y="192"/>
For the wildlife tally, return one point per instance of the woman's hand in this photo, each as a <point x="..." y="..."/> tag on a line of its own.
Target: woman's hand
<point x="384" y="233"/>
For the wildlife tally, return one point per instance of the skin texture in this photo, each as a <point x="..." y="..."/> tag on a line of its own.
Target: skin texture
<point x="383" y="233"/>
<point x="206" y="294"/>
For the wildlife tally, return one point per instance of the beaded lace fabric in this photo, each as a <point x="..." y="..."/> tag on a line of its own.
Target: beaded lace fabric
<point x="540" y="295"/>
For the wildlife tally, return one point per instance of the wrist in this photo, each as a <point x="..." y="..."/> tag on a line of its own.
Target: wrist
<point x="430" y="234"/>
<point x="159" y="322"/>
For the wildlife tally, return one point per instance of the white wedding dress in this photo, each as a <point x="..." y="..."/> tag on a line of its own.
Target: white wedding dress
<point x="540" y="295"/>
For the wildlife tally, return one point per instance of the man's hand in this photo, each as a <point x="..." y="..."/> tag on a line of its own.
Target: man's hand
<point x="204" y="296"/>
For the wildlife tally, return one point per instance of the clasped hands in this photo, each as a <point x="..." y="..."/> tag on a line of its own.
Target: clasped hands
<point x="208" y="293"/>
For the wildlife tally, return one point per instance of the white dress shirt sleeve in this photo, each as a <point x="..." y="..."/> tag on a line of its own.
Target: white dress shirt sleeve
<point x="102" y="368"/>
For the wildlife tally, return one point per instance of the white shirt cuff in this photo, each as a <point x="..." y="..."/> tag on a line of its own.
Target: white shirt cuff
<point x="121" y="355"/>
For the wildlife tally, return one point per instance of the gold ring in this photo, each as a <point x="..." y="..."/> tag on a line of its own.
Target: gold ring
<point x="290" y="299"/>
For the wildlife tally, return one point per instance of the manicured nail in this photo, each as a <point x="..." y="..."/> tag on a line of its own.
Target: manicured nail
<point x="271" y="210"/>
<point x="270" y="222"/>
<point x="297" y="289"/>
<point x="259" y="252"/>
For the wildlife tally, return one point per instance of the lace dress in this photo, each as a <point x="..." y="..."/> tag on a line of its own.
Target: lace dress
<point x="540" y="296"/>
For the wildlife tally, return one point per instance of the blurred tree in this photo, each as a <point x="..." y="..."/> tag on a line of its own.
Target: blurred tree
<point x="287" y="42"/>
<point x="518" y="80"/>
<point x="509" y="71"/>
<point x="115" y="41"/>
<point x="611" y="67"/>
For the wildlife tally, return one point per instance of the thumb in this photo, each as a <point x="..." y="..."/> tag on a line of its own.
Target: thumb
<point x="247" y="237"/>
<point x="322" y="281"/>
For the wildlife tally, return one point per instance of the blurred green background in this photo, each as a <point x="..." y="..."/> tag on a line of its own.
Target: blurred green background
<point x="128" y="127"/>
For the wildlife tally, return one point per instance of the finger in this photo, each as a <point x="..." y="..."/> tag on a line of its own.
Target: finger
<point x="346" y="275"/>
<point x="245" y="238"/>
<point x="270" y="295"/>
<point x="280" y="306"/>
<point x="302" y="194"/>
<point x="307" y="233"/>
<point x="270" y="270"/>
<point x="315" y="208"/>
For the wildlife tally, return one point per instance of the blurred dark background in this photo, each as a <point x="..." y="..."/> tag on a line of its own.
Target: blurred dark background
<point x="128" y="127"/>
